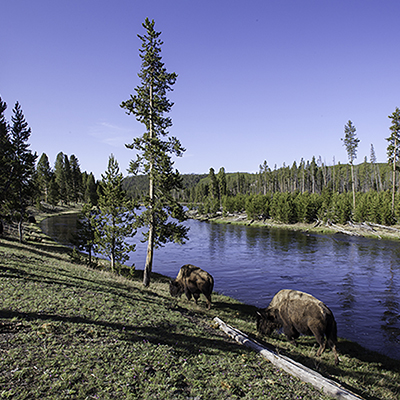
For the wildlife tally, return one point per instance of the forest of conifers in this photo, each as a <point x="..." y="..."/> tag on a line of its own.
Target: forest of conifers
<point x="307" y="192"/>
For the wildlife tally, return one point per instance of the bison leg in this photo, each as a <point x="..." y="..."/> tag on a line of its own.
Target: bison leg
<point x="208" y="302"/>
<point x="332" y="344"/>
<point x="188" y="293"/>
<point x="321" y="349"/>
<point x="319" y="336"/>
<point x="196" y="297"/>
<point x="291" y="333"/>
<point x="331" y="339"/>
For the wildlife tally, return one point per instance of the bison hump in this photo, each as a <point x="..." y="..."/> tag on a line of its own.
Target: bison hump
<point x="186" y="271"/>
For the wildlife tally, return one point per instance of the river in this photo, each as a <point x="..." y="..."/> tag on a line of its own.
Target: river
<point x="359" y="279"/>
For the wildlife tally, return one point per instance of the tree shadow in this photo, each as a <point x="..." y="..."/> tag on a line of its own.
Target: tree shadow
<point x="161" y="333"/>
<point x="240" y="308"/>
<point x="41" y="249"/>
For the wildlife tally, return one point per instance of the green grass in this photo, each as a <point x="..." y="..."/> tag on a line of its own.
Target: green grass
<point x="70" y="332"/>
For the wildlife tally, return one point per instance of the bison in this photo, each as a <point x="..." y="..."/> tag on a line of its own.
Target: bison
<point x="299" y="313"/>
<point x="192" y="280"/>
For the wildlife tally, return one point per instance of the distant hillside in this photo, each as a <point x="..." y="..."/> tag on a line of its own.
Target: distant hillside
<point x="137" y="186"/>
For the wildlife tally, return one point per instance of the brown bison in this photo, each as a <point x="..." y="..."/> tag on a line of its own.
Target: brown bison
<point x="192" y="280"/>
<point x="299" y="313"/>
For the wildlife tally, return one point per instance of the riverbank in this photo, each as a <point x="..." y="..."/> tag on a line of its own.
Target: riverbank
<point x="367" y="230"/>
<point x="70" y="331"/>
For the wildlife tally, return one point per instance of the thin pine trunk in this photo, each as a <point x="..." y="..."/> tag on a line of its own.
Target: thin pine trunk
<point x="20" y="230"/>
<point x="112" y="255"/>
<point x="149" y="257"/>
<point x="353" y="186"/>
<point x="394" y="174"/>
<point x="150" y="245"/>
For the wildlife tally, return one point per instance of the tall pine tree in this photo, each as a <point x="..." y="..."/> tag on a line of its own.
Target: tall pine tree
<point x="76" y="179"/>
<point x="5" y="160"/>
<point x="393" y="149"/>
<point x="23" y="165"/>
<point x="44" y="176"/>
<point x="351" y="141"/>
<point x="155" y="147"/>
<point x="60" y="177"/>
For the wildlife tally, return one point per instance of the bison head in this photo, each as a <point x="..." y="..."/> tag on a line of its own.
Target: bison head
<point x="267" y="322"/>
<point x="175" y="288"/>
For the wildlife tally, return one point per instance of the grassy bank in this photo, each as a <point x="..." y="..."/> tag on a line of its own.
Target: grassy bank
<point x="67" y="331"/>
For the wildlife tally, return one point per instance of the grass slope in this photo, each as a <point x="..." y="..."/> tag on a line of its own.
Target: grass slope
<point x="70" y="332"/>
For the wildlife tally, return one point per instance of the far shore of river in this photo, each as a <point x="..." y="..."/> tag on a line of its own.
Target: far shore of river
<point x="366" y="229"/>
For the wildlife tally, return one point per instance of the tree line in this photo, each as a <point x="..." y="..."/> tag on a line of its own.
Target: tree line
<point x="23" y="182"/>
<point x="65" y="183"/>
<point x="311" y="191"/>
<point x="304" y="192"/>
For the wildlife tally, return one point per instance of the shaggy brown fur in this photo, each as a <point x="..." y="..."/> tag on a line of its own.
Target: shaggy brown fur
<point x="299" y="313"/>
<point x="192" y="280"/>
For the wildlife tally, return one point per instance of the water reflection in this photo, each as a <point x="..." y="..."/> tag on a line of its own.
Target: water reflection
<point x="60" y="227"/>
<point x="358" y="279"/>
<point x="391" y="316"/>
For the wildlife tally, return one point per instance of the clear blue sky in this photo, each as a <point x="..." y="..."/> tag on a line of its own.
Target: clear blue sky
<point x="257" y="79"/>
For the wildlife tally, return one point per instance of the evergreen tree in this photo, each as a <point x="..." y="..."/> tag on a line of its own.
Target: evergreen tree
<point x="54" y="192"/>
<point x="44" y="176"/>
<point x="213" y="184"/>
<point x="91" y="195"/>
<point x="257" y="206"/>
<point x="84" y="238"/>
<point x="115" y="217"/>
<point x="60" y="177"/>
<point x="221" y="177"/>
<point x="149" y="105"/>
<point x="264" y="176"/>
<point x="351" y="141"/>
<point x="68" y="179"/>
<point x="23" y="165"/>
<point x="302" y="173"/>
<point x="76" y="179"/>
<point x="5" y="160"/>
<point x="393" y="152"/>
<point x="293" y="177"/>
<point x="313" y="173"/>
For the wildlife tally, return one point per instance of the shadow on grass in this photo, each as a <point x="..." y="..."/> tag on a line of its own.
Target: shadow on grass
<point x="107" y="287"/>
<point x="162" y="333"/>
<point x="137" y="274"/>
<point x="41" y="249"/>
<point x="242" y="310"/>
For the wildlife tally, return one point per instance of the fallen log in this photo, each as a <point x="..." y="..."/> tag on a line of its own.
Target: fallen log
<point x="294" y="368"/>
<point x="389" y="228"/>
<point x="339" y="229"/>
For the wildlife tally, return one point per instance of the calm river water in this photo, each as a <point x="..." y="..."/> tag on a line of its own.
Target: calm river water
<point x="359" y="279"/>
